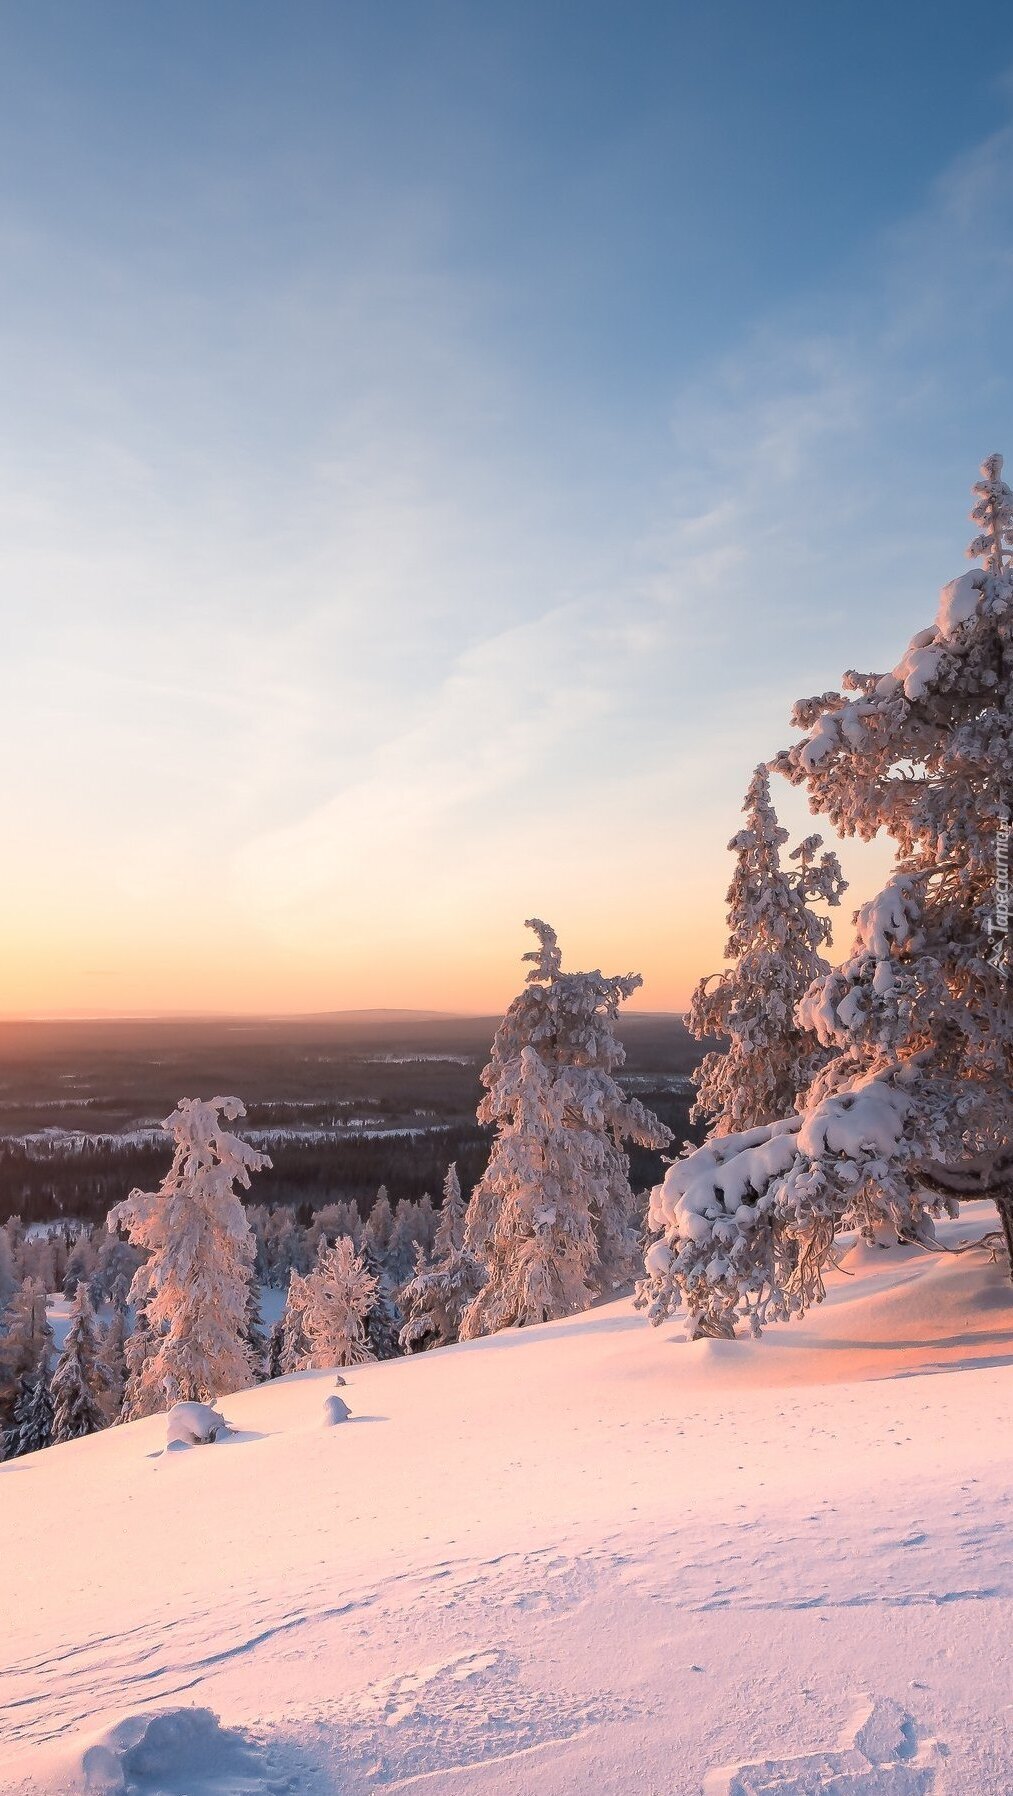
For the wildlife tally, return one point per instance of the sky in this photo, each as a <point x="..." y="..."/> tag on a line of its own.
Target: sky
<point x="438" y="443"/>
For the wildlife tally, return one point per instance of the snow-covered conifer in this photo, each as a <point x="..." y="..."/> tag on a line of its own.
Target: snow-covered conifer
<point x="113" y="1357"/>
<point x="551" y="1219"/>
<point x="275" y="1347"/>
<point x="253" y="1332"/>
<point x="195" y="1284"/>
<point x="294" y="1351"/>
<point x="339" y="1293"/>
<point x="438" y="1293"/>
<point x="82" y="1263"/>
<point x="8" y="1277"/>
<point x="385" y="1320"/>
<point x="140" y="1345"/>
<point x="404" y="1237"/>
<point x="914" y="1107"/>
<point x="379" y="1225"/>
<point x="449" y="1236"/>
<point x="284" y="1246"/>
<point x="774" y="942"/>
<point x="25" y="1344"/>
<point x="33" y="1415"/>
<point x="79" y="1386"/>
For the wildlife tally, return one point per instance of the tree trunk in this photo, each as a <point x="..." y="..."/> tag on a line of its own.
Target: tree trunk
<point x="1004" y="1205"/>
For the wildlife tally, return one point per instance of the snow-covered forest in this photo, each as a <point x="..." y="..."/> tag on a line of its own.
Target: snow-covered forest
<point x="868" y="1096"/>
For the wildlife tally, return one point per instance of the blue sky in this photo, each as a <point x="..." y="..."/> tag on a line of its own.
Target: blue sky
<point x="438" y="443"/>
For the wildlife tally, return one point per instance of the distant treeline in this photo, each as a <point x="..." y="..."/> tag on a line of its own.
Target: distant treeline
<point x="41" y="1183"/>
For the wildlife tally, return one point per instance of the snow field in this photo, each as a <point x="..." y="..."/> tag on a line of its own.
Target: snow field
<point x="584" y="1556"/>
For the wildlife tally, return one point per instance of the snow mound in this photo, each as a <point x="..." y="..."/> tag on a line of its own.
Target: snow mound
<point x="177" y="1752"/>
<point x="194" y="1425"/>
<point x="881" y="1759"/>
<point x="335" y="1410"/>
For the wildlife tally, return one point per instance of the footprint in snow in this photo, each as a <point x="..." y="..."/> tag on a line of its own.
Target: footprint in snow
<point x="881" y="1757"/>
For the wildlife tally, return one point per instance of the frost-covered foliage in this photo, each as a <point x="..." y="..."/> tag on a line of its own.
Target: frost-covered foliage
<point x="437" y="1294"/>
<point x="26" y="1341"/>
<point x="380" y="1225"/>
<point x="293" y="1350"/>
<point x="774" y="943"/>
<point x="254" y="1338"/>
<point x="194" y="1287"/>
<point x="113" y="1358"/>
<point x="79" y="1385"/>
<point x="551" y="1219"/>
<point x="33" y="1415"/>
<point x="385" y="1320"/>
<point x="914" y="1106"/>
<point x="336" y="1300"/>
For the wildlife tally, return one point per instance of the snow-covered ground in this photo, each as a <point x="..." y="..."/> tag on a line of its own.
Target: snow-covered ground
<point x="583" y="1557"/>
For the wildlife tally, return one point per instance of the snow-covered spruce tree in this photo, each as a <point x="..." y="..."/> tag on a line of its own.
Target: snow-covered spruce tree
<point x="8" y="1278"/>
<point x="379" y="1225"/>
<point x="914" y="1108"/>
<point x="439" y="1291"/>
<point x="404" y="1238"/>
<point x="33" y="1415"/>
<point x="79" y="1385"/>
<point x="194" y="1286"/>
<point x="339" y="1294"/>
<point x="26" y="1342"/>
<point x="138" y="1348"/>
<point x="113" y="1358"/>
<point x="551" y="1218"/>
<point x="254" y="1338"/>
<point x="384" y="1321"/>
<point x="774" y="942"/>
<point x="275" y="1349"/>
<point x="294" y="1349"/>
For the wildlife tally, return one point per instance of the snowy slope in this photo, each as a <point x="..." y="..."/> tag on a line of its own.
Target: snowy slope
<point x="583" y="1557"/>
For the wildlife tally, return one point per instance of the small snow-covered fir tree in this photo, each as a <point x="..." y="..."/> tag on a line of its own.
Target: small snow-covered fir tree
<point x="79" y="1386"/>
<point x="914" y="1107"/>
<point x="194" y="1286"/>
<point x="379" y="1226"/>
<point x="33" y="1415"/>
<point x="551" y="1220"/>
<point x="275" y="1349"/>
<point x="384" y="1321"/>
<point x="294" y="1347"/>
<point x="774" y="944"/>
<point x="439" y="1291"/>
<point x="339" y="1293"/>
<point x="113" y="1358"/>
<point x="140" y="1345"/>
<point x="253" y="1332"/>
<point x="404" y="1238"/>
<point x="26" y="1342"/>
<point x="8" y="1277"/>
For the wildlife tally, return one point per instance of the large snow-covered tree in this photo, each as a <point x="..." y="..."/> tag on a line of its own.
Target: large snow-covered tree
<point x="439" y="1291"/>
<point x="914" y="1107"/>
<point x="774" y="943"/>
<point x="551" y="1220"/>
<point x="194" y="1287"/>
<point x="79" y="1383"/>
